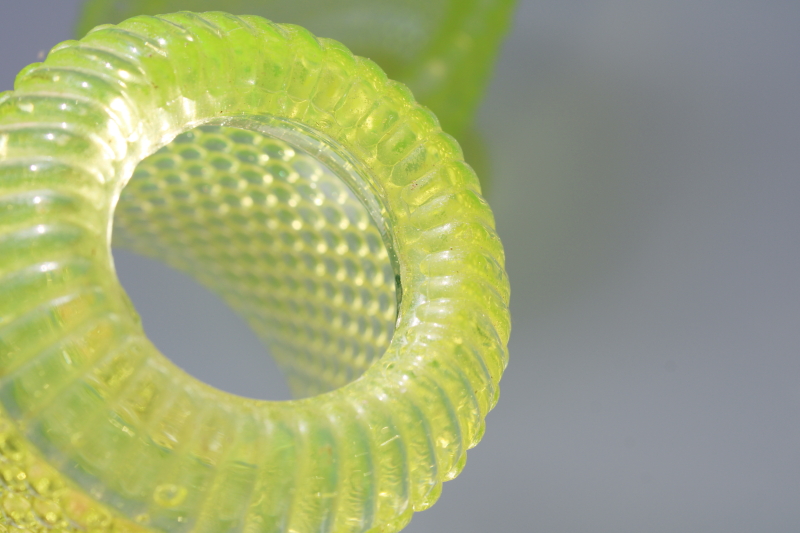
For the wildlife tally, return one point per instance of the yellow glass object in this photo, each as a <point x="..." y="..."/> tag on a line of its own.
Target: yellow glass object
<point x="443" y="50"/>
<point x="218" y="141"/>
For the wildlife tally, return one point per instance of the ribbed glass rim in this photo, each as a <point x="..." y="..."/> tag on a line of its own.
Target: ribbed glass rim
<point x="97" y="107"/>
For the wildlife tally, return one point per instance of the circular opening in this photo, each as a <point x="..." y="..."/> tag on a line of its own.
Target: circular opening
<point x="198" y="330"/>
<point x="285" y="228"/>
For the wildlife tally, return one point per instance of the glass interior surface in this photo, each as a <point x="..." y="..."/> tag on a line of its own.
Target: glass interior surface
<point x="285" y="229"/>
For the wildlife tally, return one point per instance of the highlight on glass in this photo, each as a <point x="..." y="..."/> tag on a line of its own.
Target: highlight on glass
<point x="315" y="196"/>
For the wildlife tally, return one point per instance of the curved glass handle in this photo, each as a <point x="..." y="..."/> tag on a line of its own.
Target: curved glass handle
<point x="443" y="50"/>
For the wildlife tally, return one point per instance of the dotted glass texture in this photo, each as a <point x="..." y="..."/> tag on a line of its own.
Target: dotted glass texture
<point x="279" y="236"/>
<point x="35" y="498"/>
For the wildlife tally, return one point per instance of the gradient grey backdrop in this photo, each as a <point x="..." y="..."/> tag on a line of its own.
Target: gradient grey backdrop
<point x="646" y="185"/>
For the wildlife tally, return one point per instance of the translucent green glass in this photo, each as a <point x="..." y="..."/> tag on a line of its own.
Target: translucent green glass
<point x="443" y="50"/>
<point x="320" y="201"/>
<point x="279" y="234"/>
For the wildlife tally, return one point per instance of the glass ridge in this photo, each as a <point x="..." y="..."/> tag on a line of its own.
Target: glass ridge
<point x="443" y="50"/>
<point x="100" y="430"/>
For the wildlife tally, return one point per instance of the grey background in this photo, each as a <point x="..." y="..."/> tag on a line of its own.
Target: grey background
<point x="645" y="183"/>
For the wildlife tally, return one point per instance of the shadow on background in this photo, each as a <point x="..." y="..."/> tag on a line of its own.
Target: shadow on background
<point x="571" y="183"/>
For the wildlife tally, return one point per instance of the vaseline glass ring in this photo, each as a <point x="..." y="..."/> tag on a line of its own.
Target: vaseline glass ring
<point x="218" y="142"/>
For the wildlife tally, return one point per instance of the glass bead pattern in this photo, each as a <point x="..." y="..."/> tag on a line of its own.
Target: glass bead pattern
<point x="279" y="236"/>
